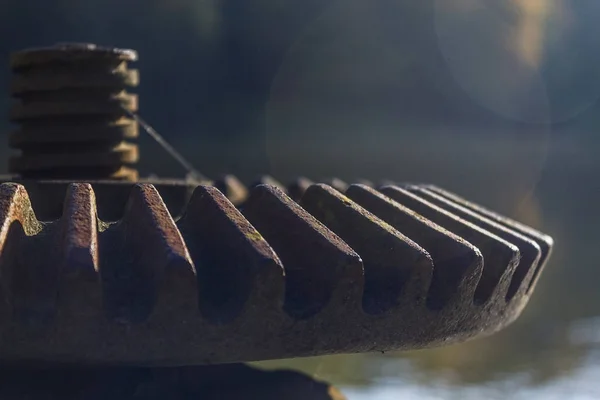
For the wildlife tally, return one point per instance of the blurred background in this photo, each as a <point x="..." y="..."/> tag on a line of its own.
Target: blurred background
<point x="495" y="100"/>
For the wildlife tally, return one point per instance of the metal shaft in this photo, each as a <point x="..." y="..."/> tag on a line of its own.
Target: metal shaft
<point x="72" y="108"/>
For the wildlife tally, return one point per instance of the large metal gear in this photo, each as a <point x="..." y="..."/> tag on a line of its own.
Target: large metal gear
<point x="188" y="272"/>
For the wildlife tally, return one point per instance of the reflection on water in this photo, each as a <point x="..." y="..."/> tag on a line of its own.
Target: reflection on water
<point x="384" y="377"/>
<point x="579" y="384"/>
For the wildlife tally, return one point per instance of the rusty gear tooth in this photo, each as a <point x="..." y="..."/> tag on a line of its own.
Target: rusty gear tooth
<point x="457" y="264"/>
<point x="237" y="269"/>
<point x="320" y="268"/>
<point x="27" y="285"/>
<point x="390" y="259"/>
<point x="79" y="299"/>
<point x="500" y="257"/>
<point x="160" y="254"/>
<point x="232" y="188"/>
<point x="15" y="206"/>
<point x="136" y="253"/>
<point x="297" y="188"/>
<point x="242" y="306"/>
<point x="79" y="230"/>
<point x="48" y="197"/>
<point x="529" y="249"/>
<point x="544" y="241"/>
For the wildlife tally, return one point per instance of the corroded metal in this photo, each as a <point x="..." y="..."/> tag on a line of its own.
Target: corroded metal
<point x="122" y="271"/>
<point x="72" y="107"/>
<point x="48" y="196"/>
<point x="400" y="267"/>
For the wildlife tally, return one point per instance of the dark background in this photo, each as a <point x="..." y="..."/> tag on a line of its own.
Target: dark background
<point x="213" y="69"/>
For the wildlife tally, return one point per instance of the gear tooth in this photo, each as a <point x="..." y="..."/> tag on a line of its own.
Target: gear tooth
<point x="500" y="257"/>
<point x="24" y="285"/>
<point x="390" y="259"/>
<point x="237" y="269"/>
<point x="15" y="205"/>
<point x="320" y="268"/>
<point x="456" y="262"/>
<point x="79" y="229"/>
<point x="159" y="240"/>
<point x="545" y="242"/>
<point x="529" y="249"/>
<point x="79" y="285"/>
<point x="140" y="251"/>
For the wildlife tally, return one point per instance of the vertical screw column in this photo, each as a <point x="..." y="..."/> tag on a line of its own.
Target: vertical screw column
<point x="72" y="107"/>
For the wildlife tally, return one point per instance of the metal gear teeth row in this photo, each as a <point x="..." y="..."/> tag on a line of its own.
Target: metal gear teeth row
<point x="72" y="103"/>
<point x="401" y="267"/>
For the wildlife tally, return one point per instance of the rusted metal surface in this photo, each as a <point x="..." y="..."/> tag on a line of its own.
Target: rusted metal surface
<point x="99" y="267"/>
<point x="71" y="105"/>
<point x="48" y="196"/>
<point x="337" y="271"/>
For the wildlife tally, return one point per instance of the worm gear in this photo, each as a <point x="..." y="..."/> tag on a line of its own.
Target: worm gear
<point x="72" y="103"/>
